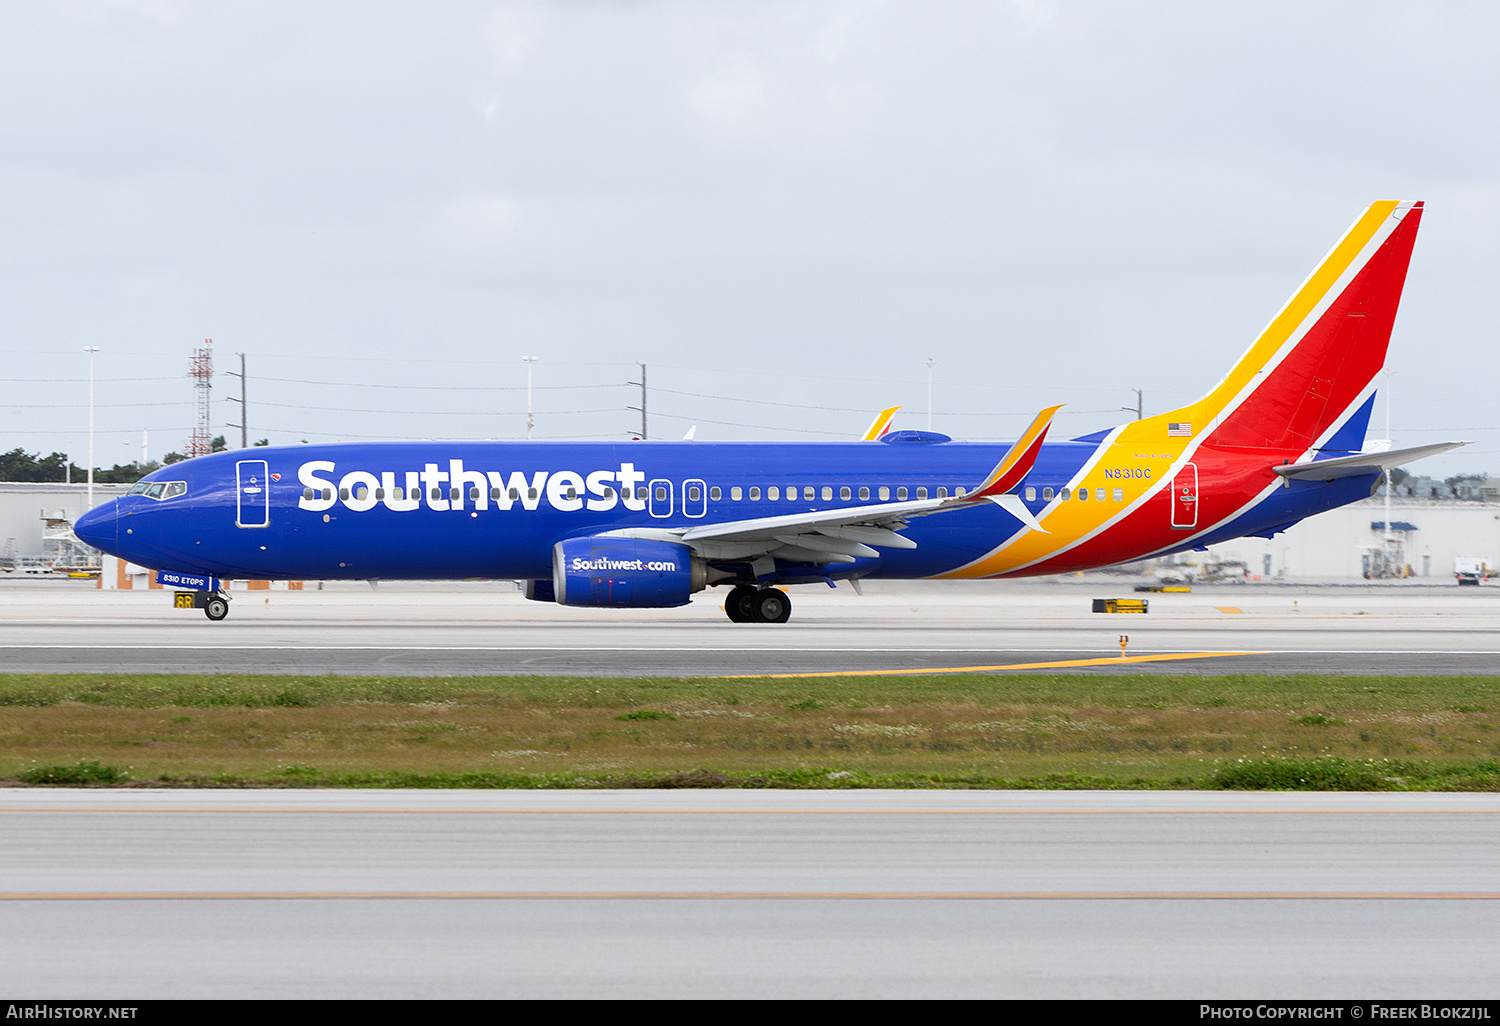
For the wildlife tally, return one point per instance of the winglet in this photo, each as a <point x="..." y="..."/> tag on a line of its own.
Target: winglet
<point x="1017" y="463"/>
<point x="880" y="425"/>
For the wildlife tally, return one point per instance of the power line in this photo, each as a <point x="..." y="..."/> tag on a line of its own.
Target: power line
<point x="435" y="388"/>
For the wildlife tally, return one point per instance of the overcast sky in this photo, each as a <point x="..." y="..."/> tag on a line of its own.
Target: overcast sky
<point x="784" y="209"/>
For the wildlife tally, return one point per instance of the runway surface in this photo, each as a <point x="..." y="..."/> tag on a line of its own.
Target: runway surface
<point x="382" y="894"/>
<point x="486" y="628"/>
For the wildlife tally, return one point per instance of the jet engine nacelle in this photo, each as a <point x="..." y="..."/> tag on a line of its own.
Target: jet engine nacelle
<point x="625" y="572"/>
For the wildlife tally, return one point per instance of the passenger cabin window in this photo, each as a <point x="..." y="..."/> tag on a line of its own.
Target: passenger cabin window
<point x="735" y="493"/>
<point x="1031" y="495"/>
<point x="922" y="492"/>
<point x="885" y="493"/>
<point x="773" y="493"/>
<point x="1047" y="493"/>
<point x="942" y="493"/>
<point x="809" y="492"/>
<point x="845" y="494"/>
<point x="901" y="492"/>
<point x="515" y="493"/>
<point x="715" y="494"/>
<point x="1083" y="495"/>
<point x="959" y="490"/>
<point x="1119" y="495"/>
<point x="1066" y="495"/>
<point x="1099" y="494"/>
<point x="827" y="493"/>
<point x="864" y="493"/>
<point x="661" y="495"/>
<point x="694" y="493"/>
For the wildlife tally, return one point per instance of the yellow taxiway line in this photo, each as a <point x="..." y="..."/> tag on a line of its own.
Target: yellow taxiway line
<point x="1060" y="664"/>
<point x="752" y="895"/>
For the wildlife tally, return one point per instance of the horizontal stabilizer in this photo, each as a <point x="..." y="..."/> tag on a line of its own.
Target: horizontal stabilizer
<point x="1360" y="463"/>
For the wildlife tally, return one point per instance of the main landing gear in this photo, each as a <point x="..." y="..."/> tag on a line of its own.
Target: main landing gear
<point x="216" y="607"/>
<point x="745" y="604"/>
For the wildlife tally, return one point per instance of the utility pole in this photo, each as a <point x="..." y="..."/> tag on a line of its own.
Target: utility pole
<point x="1137" y="408"/>
<point x="930" y="362"/>
<point x="529" y="360"/>
<point x="642" y="407"/>
<point x="91" y="350"/>
<point x="244" y="416"/>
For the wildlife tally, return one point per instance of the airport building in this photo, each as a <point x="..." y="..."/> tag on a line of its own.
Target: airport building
<point x="36" y="523"/>
<point x="1425" y="537"/>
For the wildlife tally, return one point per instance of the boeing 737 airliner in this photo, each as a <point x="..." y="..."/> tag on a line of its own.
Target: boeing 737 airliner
<point x="649" y="524"/>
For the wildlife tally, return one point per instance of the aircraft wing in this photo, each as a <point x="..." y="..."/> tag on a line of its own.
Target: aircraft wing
<point x="841" y="535"/>
<point x="1360" y="463"/>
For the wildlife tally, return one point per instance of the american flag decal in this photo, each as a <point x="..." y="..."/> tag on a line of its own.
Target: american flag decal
<point x="1179" y="429"/>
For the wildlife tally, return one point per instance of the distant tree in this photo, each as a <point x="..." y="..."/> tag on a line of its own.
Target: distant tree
<point x="218" y="444"/>
<point x="20" y="465"/>
<point x="263" y="441"/>
<point x="171" y="458"/>
<point x="1399" y="476"/>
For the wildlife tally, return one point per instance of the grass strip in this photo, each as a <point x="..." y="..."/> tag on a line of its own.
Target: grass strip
<point x="1293" y="732"/>
<point x="1124" y="690"/>
<point x="1322" y="774"/>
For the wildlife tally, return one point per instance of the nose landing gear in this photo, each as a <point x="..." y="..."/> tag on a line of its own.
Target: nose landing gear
<point x="745" y="604"/>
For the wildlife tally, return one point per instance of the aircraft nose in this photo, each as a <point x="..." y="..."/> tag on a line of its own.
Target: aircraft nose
<point x="98" y="527"/>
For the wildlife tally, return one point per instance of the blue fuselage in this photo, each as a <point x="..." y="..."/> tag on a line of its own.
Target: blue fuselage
<point x="395" y="511"/>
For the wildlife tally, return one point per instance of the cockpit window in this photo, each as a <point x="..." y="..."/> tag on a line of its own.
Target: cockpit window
<point x="158" y="489"/>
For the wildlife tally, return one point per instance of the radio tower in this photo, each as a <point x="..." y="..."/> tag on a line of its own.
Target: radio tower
<point x="202" y="372"/>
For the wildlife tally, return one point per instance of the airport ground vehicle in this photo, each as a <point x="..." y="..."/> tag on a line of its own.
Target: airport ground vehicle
<point x="649" y="524"/>
<point x="1471" y="569"/>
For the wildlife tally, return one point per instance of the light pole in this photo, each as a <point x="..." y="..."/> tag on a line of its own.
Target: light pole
<point x="930" y="362"/>
<point x="91" y="350"/>
<point x="529" y="361"/>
